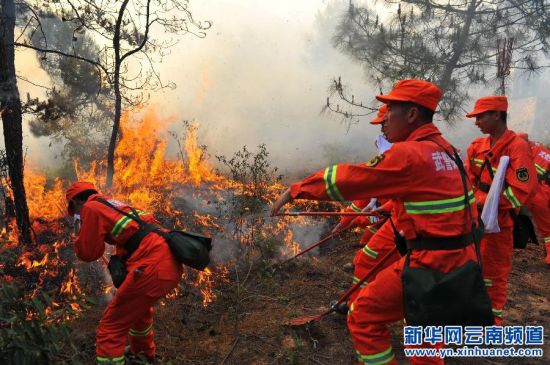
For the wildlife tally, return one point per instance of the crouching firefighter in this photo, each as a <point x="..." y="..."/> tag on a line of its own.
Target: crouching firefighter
<point x="438" y="282"/>
<point x="146" y="267"/>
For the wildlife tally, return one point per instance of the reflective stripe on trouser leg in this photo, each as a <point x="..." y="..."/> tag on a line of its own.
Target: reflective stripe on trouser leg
<point x="110" y="360"/>
<point x="130" y="307"/>
<point x="127" y="307"/>
<point x="381" y="358"/>
<point x="141" y="335"/>
<point x="497" y="312"/>
<point x="367" y="320"/>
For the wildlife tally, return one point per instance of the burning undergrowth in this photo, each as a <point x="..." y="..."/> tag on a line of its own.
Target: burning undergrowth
<point x="231" y="204"/>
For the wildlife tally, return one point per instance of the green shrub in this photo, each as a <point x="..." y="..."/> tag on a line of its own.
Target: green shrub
<point x="29" y="331"/>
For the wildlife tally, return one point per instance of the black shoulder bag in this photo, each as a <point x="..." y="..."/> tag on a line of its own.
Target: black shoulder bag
<point x="523" y="226"/>
<point x="188" y="248"/>
<point x="459" y="297"/>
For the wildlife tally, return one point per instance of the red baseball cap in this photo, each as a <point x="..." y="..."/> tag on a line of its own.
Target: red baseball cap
<point x="489" y="103"/>
<point x="380" y="116"/>
<point x="75" y="189"/>
<point x="420" y="92"/>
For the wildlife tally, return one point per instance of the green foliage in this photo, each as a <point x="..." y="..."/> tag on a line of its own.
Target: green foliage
<point x="28" y="334"/>
<point x="452" y="43"/>
<point x="253" y="173"/>
<point x="77" y="113"/>
<point x="254" y="177"/>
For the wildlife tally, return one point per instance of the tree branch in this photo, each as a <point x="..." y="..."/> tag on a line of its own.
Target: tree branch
<point x="60" y="53"/>
<point x="145" y="36"/>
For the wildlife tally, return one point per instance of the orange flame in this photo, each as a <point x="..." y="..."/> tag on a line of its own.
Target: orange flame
<point x="147" y="178"/>
<point x="206" y="281"/>
<point x="29" y="264"/>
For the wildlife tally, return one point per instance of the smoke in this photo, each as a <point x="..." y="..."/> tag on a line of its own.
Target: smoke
<point x="262" y="75"/>
<point x="307" y="235"/>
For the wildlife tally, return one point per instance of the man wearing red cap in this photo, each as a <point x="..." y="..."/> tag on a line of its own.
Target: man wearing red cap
<point x="152" y="272"/>
<point x="429" y="204"/>
<point x="520" y="183"/>
<point x="540" y="204"/>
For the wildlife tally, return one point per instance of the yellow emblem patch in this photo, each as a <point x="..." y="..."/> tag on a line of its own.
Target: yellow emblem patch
<point x="375" y="161"/>
<point x="522" y="174"/>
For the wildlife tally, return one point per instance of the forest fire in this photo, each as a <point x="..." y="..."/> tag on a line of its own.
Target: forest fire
<point x="185" y="192"/>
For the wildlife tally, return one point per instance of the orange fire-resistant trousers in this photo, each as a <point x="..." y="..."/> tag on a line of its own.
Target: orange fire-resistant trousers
<point x="540" y="208"/>
<point x="378" y="246"/>
<point x="377" y="305"/>
<point x="496" y="257"/>
<point x="130" y="314"/>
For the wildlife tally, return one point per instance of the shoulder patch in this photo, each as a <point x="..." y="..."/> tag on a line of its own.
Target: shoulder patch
<point x="375" y="160"/>
<point x="522" y="174"/>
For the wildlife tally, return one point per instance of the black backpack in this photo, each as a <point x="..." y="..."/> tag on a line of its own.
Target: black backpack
<point x="188" y="248"/>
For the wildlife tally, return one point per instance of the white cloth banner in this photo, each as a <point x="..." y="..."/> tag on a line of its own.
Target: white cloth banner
<point x="382" y="144"/>
<point x="489" y="215"/>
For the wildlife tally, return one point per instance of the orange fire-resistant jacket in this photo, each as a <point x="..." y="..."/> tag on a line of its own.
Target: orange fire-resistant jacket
<point x="541" y="155"/>
<point x="101" y="224"/>
<point x="521" y="181"/>
<point x="362" y="221"/>
<point x="423" y="182"/>
<point x="356" y="206"/>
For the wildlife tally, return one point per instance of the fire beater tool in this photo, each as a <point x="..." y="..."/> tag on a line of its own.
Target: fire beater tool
<point x="380" y="214"/>
<point x="318" y="243"/>
<point x="305" y="320"/>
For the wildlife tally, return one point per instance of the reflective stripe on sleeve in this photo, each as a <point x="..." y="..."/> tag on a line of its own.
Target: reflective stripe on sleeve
<point x="122" y="223"/>
<point x="540" y="169"/>
<point x="330" y="183"/>
<point x="509" y="194"/>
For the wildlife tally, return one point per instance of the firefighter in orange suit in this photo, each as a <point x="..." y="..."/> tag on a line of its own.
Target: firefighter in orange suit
<point x="428" y="200"/>
<point x="377" y="240"/>
<point x="152" y="272"/>
<point x="520" y="183"/>
<point x="540" y="203"/>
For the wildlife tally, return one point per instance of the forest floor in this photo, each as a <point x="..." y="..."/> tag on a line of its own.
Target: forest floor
<point x="246" y="323"/>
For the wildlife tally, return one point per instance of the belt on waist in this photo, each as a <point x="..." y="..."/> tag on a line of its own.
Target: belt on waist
<point x="440" y="243"/>
<point x="484" y="187"/>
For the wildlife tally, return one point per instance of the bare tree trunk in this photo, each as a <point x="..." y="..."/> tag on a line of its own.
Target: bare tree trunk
<point x="459" y="46"/>
<point x="12" y="119"/>
<point x="114" y="133"/>
<point x="118" y="97"/>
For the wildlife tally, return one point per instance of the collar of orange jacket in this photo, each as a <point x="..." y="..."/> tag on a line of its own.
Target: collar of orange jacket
<point x="423" y="132"/>
<point x="507" y="137"/>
